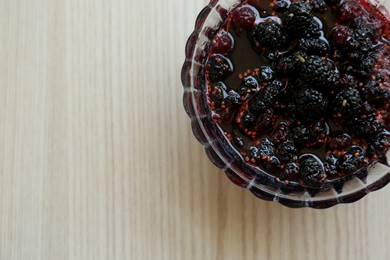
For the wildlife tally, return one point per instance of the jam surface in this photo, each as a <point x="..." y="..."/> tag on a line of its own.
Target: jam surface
<point x="301" y="89"/>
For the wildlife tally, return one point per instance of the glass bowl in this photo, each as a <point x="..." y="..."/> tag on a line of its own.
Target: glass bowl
<point x="223" y="154"/>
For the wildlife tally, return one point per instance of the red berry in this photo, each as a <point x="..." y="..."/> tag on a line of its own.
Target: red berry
<point x="349" y="10"/>
<point x="223" y="43"/>
<point x="244" y="16"/>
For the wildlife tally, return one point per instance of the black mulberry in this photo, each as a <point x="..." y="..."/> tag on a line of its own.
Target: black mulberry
<point x="311" y="103"/>
<point x="346" y="103"/>
<point x="269" y="34"/>
<point x="219" y="67"/>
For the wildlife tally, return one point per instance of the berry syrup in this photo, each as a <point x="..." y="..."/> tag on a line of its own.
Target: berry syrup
<point x="301" y="89"/>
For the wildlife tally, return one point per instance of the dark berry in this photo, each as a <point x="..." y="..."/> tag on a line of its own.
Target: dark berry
<point x="271" y="56"/>
<point x="311" y="30"/>
<point x="244" y="16"/>
<point x="346" y="103"/>
<point x="263" y="99"/>
<point x="379" y="145"/>
<point x="264" y="74"/>
<point x="250" y="82"/>
<point x="281" y="5"/>
<point x="338" y="140"/>
<point x="265" y="120"/>
<point x="330" y="166"/>
<point x="218" y="93"/>
<point x="311" y="134"/>
<point x="232" y="100"/>
<point x="280" y="133"/>
<point x="269" y="34"/>
<point x="219" y="67"/>
<point x="299" y="133"/>
<point x="367" y="38"/>
<point x="248" y="85"/>
<point x="318" y="5"/>
<point x="312" y="171"/>
<point x="317" y="71"/>
<point x="311" y="103"/>
<point x="375" y="94"/>
<point x="297" y="16"/>
<point x="267" y="153"/>
<point x="223" y="43"/>
<point x="318" y="131"/>
<point x="287" y="65"/>
<point x="318" y="46"/>
<point x="367" y="110"/>
<point x="351" y="161"/>
<point x="253" y="126"/>
<point x="353" y="44"/>
<point x="363" y="127"/>
<point x="287" y="152"/>
<point x="348" y="81"/>
<point x="252" y="154"/>
<point x="248" y="120"/>
<point x="290" y="172"/>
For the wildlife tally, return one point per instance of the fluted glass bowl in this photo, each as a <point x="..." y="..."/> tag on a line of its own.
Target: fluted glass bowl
<point x="219" y="149"/>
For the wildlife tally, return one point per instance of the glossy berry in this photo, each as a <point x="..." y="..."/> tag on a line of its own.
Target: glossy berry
<point x="316" y="46"/>
<point x="248" y="120"/>
<point x="312" y="171"/>
<point x="349" y="10"/>
<point x="338" y="140"/>
<point x="351" y="161"/>
<point x="287" y="65"/>
<point x="269" y="34"/>
<point x="218" y="94"/>
<point x="318" y="131"/>
<point x="287" y="152"/>
<point x="312" y="29"/>
<point x="281" y="6"/>
<point x="280" y="133"/>
<point x="264" y="74"/>
<point x="248" y="85"/>
<point x="318" y="5"/>
<point x="379" y="145"/>
<point x="232" y="100"/>
<point x="253" y="126"/>
<point x="311" y="103"/>
<point x="271" y="56"/>
<point x="223" y="43"/>
<point x="298" y="15"/>
<point x="263" y="99"/>
<point x="290" y="172"/>
<point x="364" y="127"/>
<point x="244" y="16"/>
<point x="219" y="67"/>
<point x="353" y="44"/>
<point x="346" y="103"/>
<point x="310" y="134"/>
<point x="299" y="133"/>
<point x="375" y="94"/>
<point x="317" y="71"/>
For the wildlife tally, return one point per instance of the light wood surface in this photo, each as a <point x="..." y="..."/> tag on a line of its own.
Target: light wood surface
<point x="97" y="159"/>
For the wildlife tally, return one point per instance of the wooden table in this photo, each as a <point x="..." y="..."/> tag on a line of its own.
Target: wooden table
<point x="98" y="161"/>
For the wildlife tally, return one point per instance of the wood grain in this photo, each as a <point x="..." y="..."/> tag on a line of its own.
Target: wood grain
<point x="97" y="159"/>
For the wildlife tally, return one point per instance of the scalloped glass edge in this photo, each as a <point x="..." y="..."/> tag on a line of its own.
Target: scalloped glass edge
<point x="225" y="157"/>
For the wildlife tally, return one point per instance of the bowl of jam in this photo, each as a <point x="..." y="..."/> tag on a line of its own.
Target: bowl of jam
<point x="291" y="99"/>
